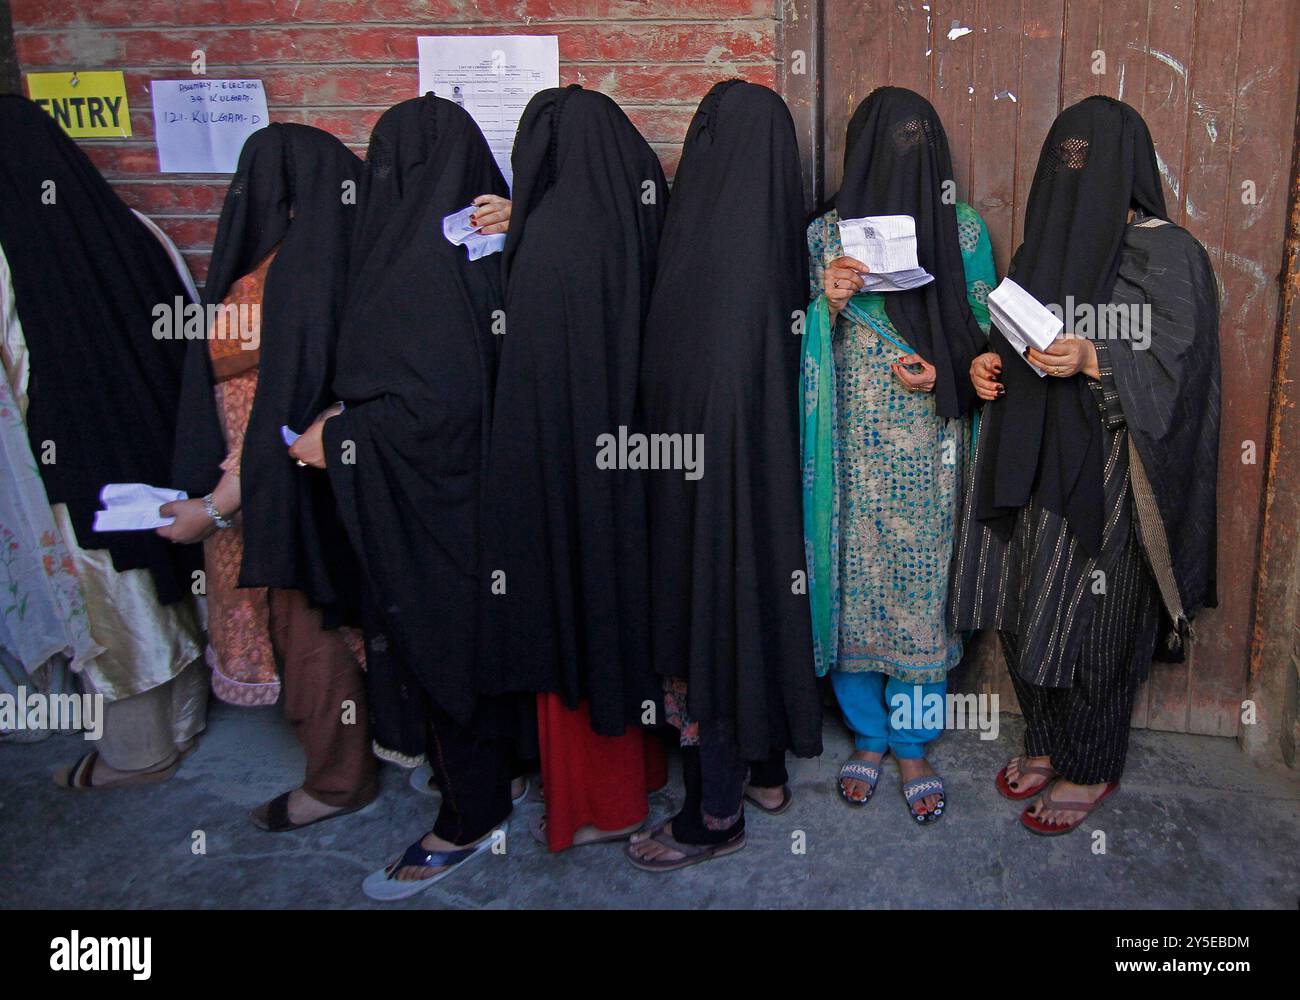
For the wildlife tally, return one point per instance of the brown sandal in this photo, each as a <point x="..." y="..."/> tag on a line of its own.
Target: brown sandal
<point x="694" y="853"/>
<point x="1036" y="825"/>
<point x="79" y="777"/>
<point x="1023" y="767"/>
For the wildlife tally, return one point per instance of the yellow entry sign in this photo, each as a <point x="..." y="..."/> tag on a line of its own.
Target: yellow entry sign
<point x="86" y="105"/>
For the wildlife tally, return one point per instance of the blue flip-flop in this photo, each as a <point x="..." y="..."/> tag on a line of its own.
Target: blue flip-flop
<point x="382" y="886"/>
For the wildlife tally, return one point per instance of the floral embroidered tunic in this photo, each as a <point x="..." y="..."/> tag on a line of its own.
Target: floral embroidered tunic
<point x="897" y="480"/>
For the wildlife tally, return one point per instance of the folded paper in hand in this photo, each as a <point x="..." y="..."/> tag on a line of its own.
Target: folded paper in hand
<point x="1024" y="321"/>
<point x="288" y="435"/>
<point x="887" y="245"/>
<point x="458" y="230"/>
<point x="134" y="507"/>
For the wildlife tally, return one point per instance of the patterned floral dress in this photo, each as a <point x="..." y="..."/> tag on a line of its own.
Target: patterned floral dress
<point x="898" y="470"/>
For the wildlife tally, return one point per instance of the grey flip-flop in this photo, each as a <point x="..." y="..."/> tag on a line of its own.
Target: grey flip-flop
<point x="694" y="853"/>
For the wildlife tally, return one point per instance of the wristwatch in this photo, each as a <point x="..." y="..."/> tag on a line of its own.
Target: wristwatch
<point x="210" y="506"/>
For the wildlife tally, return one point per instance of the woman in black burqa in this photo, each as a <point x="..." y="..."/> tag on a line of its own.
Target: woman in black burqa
<point x="1088" y="531"/>
<point x="405" y="455"/>
<point x="282" y="246"/>
<point x="564" y="576"/>
<point x="731" y="632"/>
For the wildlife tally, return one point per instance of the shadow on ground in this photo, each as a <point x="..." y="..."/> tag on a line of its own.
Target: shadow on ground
<point x="1196" y="825"/>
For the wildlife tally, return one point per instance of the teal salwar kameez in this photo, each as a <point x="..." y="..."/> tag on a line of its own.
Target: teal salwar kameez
<point x="882" y="476"/>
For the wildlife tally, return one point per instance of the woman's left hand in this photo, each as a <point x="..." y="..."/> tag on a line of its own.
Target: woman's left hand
<point x="192" y="522"/>
<point x="309" y="449"/>
<point x="492" y="214"/>
<point x="1067" y="355"/>
<point x="922" y="381"/>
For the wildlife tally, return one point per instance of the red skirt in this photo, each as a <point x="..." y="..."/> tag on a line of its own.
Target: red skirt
<point x="602" y="781"/>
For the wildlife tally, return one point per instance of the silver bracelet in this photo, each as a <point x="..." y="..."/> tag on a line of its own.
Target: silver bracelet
<point x="210" y="506"/>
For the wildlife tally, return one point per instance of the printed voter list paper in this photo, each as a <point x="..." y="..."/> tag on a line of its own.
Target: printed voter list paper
<point x="1023" y="320"/>
<point x="458" y="230"/>
<point x="887" y="245"/>
<point x="134" y="507"/>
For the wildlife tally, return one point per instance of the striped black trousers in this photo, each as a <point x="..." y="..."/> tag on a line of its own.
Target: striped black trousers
<point x="1084" y="728"/>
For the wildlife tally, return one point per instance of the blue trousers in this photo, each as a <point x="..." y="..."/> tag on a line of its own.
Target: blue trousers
<point x="867" y="699"/>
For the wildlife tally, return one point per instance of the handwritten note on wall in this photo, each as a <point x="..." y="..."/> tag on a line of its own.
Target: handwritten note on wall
<point x="200" y="125"/>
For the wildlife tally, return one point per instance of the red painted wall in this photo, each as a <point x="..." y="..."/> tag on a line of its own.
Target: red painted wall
<point x="339" y="64"/>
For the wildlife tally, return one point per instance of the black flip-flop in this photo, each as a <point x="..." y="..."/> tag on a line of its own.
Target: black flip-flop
<point x="787" y="797"/>
<point x="277" y="815"/>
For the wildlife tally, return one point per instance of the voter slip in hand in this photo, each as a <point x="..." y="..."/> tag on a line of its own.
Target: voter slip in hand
<point x="134" y="507"/>
<point x="887" y="245"/>
<point x="458" y="230"/>
<point x="1023" y="320"/>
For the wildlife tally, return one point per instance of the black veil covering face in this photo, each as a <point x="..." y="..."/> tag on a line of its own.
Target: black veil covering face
<point x="294" y="188"/>
<point x="896" y="162"/>
<point x="1096" y="163"/>
<point x="569" y="536"/>
<point x="87" y="276"/>
<point x="722" y="360"/>
<point x="415" y="368"/>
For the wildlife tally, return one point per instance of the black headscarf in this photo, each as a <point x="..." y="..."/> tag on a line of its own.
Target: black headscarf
<point x="295" y="189"/>
<point x="896" y="162"/>
<point x="722" y="360"/>
<point x="1096" y="163"/>
<point x="415" y="366"/>
<point x="570" y="538"/>
<point x="87" y="276"/>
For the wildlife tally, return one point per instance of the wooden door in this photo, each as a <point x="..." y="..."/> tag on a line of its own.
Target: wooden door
<point x="1216" y="81"/>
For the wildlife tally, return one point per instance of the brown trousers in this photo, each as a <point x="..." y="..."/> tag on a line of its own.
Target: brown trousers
<point x="325" y="702"/>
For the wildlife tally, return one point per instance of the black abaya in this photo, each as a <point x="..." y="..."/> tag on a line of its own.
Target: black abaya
<point x="564" y="576"/>
<point x="1097" y="162"/>
<point x="722" y="360"/>
<point x="896" y="162"/>
<point x="414" y="368"/>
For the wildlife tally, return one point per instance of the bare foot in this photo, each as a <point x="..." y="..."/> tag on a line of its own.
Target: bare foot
<point x="644" y="849"/>
<point x="1066" y="791"/>
<point x="919" y="768"/>
<point x="855" y="789"/>
<point x="1018" y="782"/>
<point x="431" y="842"/>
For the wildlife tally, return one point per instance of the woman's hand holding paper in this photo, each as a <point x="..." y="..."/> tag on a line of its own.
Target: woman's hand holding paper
<point x="1067" y="355"/>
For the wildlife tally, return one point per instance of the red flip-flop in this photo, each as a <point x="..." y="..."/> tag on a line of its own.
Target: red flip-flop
<point x="1004" y="785"/>
<point x="1036" y="825"/>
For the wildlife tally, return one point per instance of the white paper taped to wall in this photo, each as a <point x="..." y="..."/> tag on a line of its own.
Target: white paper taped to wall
<point x="493" y="77"/>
